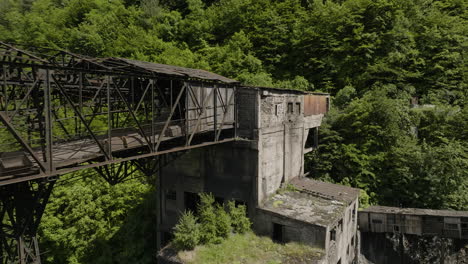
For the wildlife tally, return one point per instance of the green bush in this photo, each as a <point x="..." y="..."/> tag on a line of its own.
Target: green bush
<point x="187" y="232"/>
<point x="223" y="222"/>
<point x="208" y="219"/>
<point x="239" y="220"/>
<point x="215" y="223"/>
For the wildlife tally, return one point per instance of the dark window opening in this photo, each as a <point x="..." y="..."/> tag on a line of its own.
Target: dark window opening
<point x="352" y="241"/>
<point x="376" y="221"/>
<point x="340" y="225"/>
<point x="312" y="138"/>
<point x="339" y="261"/>
<point x="278" y="233"/>
<point x="333" y="234"/>
<point x="298" y="108"/>
<point x="354" y="212"/>
<point x="191" y="201"/>
<point x="396" y="228"/>
<point x="279" y="109"/>
<point x="290" y="108"/>
<point x="166" y="237"/>
<point x="464" y="225"/>
<point x="328" y="103"/>
<point x="347" y="251"/>
<point x="219" y="200"/>
<point x="171" y="195"/>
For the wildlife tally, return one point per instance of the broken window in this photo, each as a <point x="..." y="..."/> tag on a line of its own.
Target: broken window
<point x="396" y="229"/>
<point x="312" y="138"/>
<point x="340" y="225"/>
<point x="298" y="108"/>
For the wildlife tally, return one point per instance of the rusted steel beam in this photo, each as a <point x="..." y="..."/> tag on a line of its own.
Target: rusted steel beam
<point x="170" y="116"/>
<point x="139" y="156"/>
<point x="48" y="123"/>
<point x="140" y="128"/>
<point x="23" y="142"/>
<point x="70" y="102"/>
<point x="23" y="100"/>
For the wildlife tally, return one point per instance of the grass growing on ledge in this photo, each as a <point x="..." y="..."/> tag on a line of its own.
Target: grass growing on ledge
<point x="250" y="249"/>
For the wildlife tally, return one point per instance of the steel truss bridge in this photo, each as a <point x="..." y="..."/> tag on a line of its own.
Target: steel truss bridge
<point x="61" y="112"/>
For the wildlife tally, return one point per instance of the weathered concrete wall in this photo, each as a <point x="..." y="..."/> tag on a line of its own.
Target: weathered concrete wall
<point x="294" y="230"/>
<point x="344" y="246"/>
<point x="214" y="169"/>
<point x="282" y="137"/>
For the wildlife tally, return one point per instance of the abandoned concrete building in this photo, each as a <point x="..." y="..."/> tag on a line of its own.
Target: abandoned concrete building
<point x="422" y="222"/>
<point x="276" y="128"/>
<point x="320" y="214"/>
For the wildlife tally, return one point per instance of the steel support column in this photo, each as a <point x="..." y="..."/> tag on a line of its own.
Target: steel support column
<point x="21" y="208"/>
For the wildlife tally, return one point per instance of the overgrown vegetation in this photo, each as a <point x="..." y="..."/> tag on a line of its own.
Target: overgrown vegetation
<point x="89" y="221"/>
<point x="212" y="225"/>
<point x="371" y="55"/>
<point x="252" y="249"/>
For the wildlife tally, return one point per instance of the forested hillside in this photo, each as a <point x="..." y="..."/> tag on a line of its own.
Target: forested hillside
<point x="373" y="56"/>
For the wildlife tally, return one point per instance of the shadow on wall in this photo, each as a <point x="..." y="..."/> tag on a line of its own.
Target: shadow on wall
<point x="134" y="242"/>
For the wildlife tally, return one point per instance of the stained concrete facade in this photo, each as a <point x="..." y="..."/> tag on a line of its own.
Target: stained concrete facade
<point x="319" y="214"/>
<point x="273" y="134"/>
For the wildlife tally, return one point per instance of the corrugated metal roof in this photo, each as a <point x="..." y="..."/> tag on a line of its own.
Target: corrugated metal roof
<point x="326" y="189"/>
<point x="172" y="70"/>
<point x="414" y="211"/>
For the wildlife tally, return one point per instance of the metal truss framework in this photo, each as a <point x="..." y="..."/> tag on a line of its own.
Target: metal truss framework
<point x="67" y="112"/>
<point x="61" y="112"/>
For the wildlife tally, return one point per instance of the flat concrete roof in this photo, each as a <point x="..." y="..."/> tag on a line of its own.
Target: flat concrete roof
<point x="326" y="190"/>
<point x="305" y="207"/>
<point x="415" y="211"/>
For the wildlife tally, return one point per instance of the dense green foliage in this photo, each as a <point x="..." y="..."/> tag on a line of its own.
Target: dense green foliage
<point x="89" y="221"/>
<point x="212" y="225"/>
<point x="371" y="55"/>
<point x="402" y="156"/>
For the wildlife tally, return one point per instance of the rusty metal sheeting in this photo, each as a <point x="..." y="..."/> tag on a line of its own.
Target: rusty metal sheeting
<point x="171" y="70"/>
<point x="316" y="104"/>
